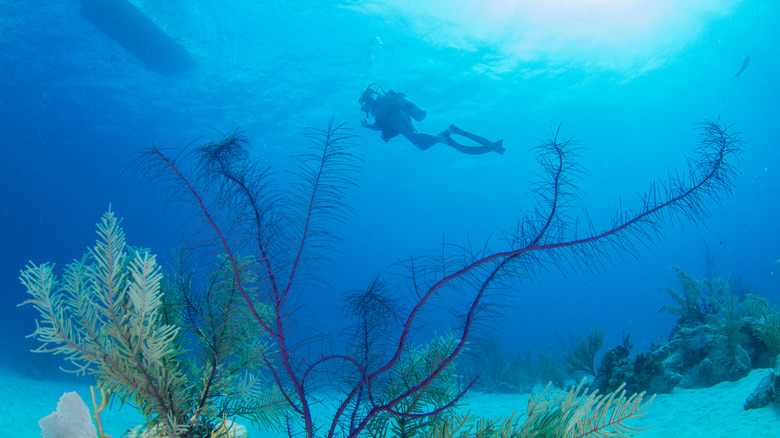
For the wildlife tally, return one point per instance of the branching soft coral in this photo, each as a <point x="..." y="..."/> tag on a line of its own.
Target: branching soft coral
<point x="105" y="317"/>
<point x="699" y="299"/>
<point x="583" y="356"/>
<point x="573" y="414"/>
<point x="108" y="317"/>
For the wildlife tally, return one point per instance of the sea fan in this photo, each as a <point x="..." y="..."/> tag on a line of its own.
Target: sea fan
<point x="71" y="419"/>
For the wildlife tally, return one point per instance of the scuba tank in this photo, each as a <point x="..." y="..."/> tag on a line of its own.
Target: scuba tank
<point x="403" y="103"/>
<point x="398" y="101"/>
<point x="415" y="111"/>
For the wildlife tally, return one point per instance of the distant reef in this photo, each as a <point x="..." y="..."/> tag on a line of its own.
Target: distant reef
<point x="721" y="334"/>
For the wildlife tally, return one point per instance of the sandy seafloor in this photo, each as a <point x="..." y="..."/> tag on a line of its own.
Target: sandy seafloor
<point x="710" y="412"/>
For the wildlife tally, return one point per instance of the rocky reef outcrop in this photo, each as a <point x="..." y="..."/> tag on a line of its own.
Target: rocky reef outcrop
<point x="695" y="357"/>
<point x="767" y="391"/>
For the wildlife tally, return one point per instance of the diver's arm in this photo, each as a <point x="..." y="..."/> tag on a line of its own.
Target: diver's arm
<point x="373" y="126"/>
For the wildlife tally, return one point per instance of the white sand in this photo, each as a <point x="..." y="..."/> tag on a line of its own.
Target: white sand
<point x="24" y="401"/>
<point x="712" y="412"/>
<point x="687" y="413"/>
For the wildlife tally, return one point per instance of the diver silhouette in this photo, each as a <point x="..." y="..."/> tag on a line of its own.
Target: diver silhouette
<point x="393" y="114"/>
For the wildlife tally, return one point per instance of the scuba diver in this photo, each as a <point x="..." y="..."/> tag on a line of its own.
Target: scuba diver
<point x="393" y="114"/>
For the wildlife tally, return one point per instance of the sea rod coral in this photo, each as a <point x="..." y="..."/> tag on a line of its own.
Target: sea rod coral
<point x="289" y="228"/>
<point x="383" y="387"/>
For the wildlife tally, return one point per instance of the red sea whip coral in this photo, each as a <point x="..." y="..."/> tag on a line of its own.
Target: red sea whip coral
<point x="285" y="230"/>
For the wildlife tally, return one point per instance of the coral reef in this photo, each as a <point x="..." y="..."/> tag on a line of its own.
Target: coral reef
<point x="645" y="373"/>
<point x="289" y="231"/>
<point x="703" y="356"/>
<point x="717" y="338"/>
<point x="767" y="391"/>
<point x="764" y="328"/>
<point x="705" y="346"/>
<point x="115" y="322"/>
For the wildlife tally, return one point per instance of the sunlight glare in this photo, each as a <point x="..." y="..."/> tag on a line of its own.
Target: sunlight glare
<point x="611" y="34"/>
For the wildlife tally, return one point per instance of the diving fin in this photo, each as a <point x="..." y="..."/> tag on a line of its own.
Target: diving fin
<point x="499" y="147"/>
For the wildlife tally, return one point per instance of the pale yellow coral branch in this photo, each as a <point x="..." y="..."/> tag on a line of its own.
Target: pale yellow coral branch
<point x="98" y="409"/>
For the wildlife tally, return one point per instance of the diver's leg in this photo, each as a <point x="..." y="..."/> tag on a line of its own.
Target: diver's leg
<point x="423" y="141"/>
<point x="401" y="122"/>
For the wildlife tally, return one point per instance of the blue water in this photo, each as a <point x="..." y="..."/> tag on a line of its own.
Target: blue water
<point x="629" y="82"/>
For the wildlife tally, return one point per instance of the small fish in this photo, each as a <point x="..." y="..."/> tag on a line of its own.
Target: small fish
<point x="745" y="65"/>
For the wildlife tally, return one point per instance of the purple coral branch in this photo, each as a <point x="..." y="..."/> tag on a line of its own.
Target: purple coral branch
<point x="709" y="177"/>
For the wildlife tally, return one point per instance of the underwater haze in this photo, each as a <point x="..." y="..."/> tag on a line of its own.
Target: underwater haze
<point x="630" y="81"/>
